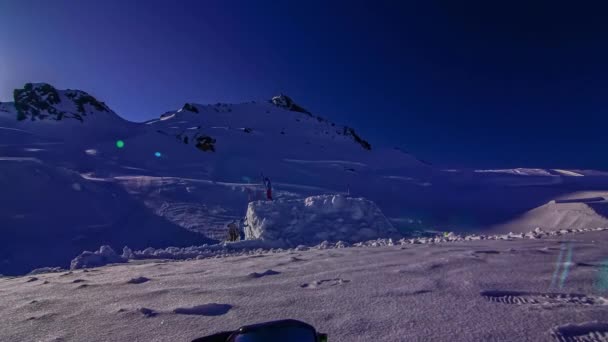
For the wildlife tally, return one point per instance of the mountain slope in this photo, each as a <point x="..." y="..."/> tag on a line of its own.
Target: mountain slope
<point x="44" y="112"/>
<point x="197" y="168"/>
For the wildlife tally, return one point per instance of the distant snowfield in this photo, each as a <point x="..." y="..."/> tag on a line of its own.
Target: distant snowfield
<point x="552" y="289"/>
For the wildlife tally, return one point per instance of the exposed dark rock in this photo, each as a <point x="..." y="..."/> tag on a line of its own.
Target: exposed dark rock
<point x="39" y="102"/>
<point x="190" y="107"/>
<point x="286" y="102"/>
<point x="205" y="143"/>
<point x="351" y="132"/>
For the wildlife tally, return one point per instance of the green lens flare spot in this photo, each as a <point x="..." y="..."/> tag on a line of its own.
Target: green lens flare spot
<point x="120" y="144"/>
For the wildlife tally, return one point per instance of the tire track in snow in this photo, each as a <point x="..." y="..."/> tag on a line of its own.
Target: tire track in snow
<point x="531" y="298"/>
<point x="588" y="332"/>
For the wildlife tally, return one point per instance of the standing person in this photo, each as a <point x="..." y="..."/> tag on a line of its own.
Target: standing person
<point x="250" y="194"/>
<point x="242" y="226"/>
<point x="268" y="186"/>
<point x="233" y="231"/>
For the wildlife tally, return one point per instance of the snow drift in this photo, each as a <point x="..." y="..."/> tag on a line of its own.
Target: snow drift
<point x="579" y="210"/>
<point x="104" y="256"/>
<point x="315" y="219"/>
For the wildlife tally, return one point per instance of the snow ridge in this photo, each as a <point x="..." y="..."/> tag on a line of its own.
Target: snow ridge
<point x="259" y="247"/>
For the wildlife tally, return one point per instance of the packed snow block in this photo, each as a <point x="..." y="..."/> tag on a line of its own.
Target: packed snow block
<point x="104" y="256"/>
<point x="316" y="219"/>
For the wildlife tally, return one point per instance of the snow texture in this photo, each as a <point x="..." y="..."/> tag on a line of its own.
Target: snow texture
<point x="453" y="291"/>
<point x="316" y="219"/>
<point x="104" y="256"/>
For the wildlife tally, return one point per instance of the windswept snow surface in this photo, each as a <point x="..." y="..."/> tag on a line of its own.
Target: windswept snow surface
<point x="551" y="289"/>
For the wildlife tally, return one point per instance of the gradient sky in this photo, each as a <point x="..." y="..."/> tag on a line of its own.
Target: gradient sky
<point x="456" y="83"/>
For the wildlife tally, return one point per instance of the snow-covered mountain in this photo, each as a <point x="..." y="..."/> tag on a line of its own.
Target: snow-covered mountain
<point x="65" y="115"/>
<point x="76" y="175"/>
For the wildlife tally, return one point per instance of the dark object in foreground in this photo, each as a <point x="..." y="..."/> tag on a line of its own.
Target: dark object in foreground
<point x="284" y="330"/>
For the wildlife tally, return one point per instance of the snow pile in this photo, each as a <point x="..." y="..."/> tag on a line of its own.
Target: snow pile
<point x="316" y="219"/>
<point x="575" y="211"/>
<point x="264" y="247"/>
<point x="105" y="255"/>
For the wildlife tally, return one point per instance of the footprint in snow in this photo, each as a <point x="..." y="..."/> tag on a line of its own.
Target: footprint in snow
<point x="138" y="280"/>
<point x="324" y="283"/>
<point x="290" y="261"/>
<point x="43" y="317"/>
<point x="212" y="309"/>
<point x="32" y="279"/>
<point x="147" y="312"/>
<point x="590" y="332"/>
<point x="486" y="252"/>
<point x="76" y="281"/>
<point x="256" y="275"/>
<point x="537" y="298"/>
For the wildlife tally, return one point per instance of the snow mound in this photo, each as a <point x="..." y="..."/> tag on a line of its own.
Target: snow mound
<point x="563" y="213"/>
<point x="104" y="256"/>
<point x="316" y="219"/>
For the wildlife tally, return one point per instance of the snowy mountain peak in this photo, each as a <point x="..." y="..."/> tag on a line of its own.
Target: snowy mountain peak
<point x="286" y="102"/>
<point x="42" y="101"/>
<point x="190" y="108"/>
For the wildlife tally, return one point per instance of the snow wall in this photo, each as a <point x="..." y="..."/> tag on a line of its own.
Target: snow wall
<point x="315" y="219"/>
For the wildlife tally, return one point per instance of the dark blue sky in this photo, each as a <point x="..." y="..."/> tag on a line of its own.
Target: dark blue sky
<point x="456" y="83"/>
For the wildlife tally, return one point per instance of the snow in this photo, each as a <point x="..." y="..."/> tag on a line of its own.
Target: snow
<point x="315" y="219"/>
<point x="568" y="173"/>
<point x="518" y="171"/>
<point x="259" y="247"/>
<point x="81" y="191"/>
<point x="461" y="291"/>
<point x="539" y="172"/>
<point x="366" y="245"/>
<point x="575" y="211"/>
<point x="105" y="255"/>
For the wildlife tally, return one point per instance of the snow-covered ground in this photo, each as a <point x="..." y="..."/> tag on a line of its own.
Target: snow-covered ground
<point x="74" y="176"/>
<point x="549" y="289"/>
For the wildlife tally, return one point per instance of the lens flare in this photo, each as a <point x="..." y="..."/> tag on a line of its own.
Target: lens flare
<point x="120" y="144"/>
<point x="602" y="280"/>
<point x="558" y="280"/>
<point x="567" y="265"/>
<point x="557" y="266"/>
<point x="157" y="154"/>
